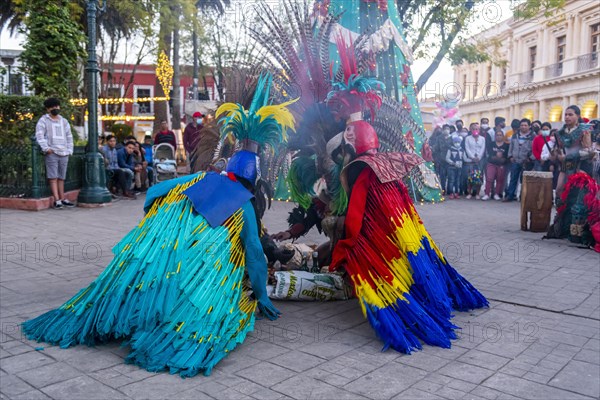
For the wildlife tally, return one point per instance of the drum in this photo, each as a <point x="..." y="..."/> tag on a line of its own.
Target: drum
<point x="536" y="201"/>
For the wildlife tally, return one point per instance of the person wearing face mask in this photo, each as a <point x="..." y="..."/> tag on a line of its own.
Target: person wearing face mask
<point x="520" y="157"/>
<point x="538" y="144"/>
<point x="549" y="156"/>
<point x="536" y="126"/>
<point x="459" y="125"/>
<point x="53" y="134"/>
<point x="474" y="154"/>
<point x="484" y="124"/>
<point x="191" y="134"/>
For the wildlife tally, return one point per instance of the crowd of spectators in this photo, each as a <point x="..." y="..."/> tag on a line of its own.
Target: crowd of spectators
<point x="487" y="162"/>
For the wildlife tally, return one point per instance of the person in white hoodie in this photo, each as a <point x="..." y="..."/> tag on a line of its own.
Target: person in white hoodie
<point x="53" y="134"/>
<point x="474" y="154"/>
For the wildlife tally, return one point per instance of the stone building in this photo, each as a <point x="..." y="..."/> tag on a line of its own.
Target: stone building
<point x="551" y="63"/>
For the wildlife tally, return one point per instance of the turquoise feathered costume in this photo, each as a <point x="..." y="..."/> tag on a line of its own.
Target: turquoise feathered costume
<point x="176" y="288"/>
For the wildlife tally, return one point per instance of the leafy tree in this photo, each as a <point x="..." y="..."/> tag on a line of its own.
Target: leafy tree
<point x="53" y="47"/>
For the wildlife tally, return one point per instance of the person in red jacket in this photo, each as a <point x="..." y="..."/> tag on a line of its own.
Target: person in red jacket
<point x="538" y="144"/>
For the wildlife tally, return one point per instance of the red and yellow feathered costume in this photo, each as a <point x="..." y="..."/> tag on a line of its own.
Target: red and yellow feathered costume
<point x="406" y="288"/>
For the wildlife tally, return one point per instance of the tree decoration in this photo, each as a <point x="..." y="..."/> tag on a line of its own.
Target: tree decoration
<point x="164" y="72"/>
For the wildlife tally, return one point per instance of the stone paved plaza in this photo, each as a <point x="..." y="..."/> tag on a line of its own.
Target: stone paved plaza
<point x="540" y="338"/>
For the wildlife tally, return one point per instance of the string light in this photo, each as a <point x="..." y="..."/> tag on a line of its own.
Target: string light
<point x="126" y="118"/>
<point x="20" y="117"/>
<point x="119" y="100"/>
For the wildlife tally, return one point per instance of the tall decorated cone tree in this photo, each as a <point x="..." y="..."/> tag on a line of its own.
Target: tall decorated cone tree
<point x="389" y="57"/>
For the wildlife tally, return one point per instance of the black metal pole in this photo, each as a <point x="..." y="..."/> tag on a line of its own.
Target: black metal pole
<point x="94" y="189"/>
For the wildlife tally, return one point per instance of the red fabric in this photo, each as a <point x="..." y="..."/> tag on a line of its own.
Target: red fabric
<point x="166" y="137"/>
<point x="231" y="176"/>
<point x="191" y="137"/>
<point x="493" y="173"/>
<point x="373" y="212"/>
<point x="354" y="218"/>
<point x="537" y="145"/>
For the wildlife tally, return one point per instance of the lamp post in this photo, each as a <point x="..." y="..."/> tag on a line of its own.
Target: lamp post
<point x="94" y="189"/>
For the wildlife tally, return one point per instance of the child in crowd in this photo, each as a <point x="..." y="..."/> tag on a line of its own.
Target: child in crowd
<point x="454" y="157"/>
<point x="497" y="155"/>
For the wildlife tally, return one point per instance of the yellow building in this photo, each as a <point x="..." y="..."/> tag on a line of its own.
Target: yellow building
<point x="551" y="64"/>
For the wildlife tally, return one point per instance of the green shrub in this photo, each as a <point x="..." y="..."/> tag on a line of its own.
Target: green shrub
<point x="121" y="131"/>
<point x="20" y="114"/>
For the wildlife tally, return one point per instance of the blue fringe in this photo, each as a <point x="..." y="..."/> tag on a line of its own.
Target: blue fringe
<point x="142" y="297"/>
<point x="426" y="312"/>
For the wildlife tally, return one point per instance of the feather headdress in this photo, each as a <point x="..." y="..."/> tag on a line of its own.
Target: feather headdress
<point x="354" y="93"/>
<point x="262" y="123"/>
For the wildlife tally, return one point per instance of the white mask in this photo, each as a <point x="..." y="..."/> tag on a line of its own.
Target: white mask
<point x="546" y="133"/>
<point x="485" y="126"/>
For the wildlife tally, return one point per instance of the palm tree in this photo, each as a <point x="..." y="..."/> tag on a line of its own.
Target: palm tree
<point x="11" y="16"/>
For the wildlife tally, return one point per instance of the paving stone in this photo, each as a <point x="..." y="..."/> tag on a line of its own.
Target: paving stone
<point x="297" y="361"/>
<point x="12" y="386"/>
<point x="303" y="387"/>
<point x="25" y="361"/>
<point x="423" y="360"/>
<point x="266" y="374"/>
<point x="462" y="385"/>
<point x="82" y="387"/>
<point x="579" y="377"/>
<point x="532" y="376"/>
<point x="193" y="394"/>
<point x="99" y="360"/>
<point x="211" y="387"/>
<point x="486" y="393"/>
<point x="416" y="394"/>
<point x="483" y="359"/>
<point x="235" y="362"/>
<point x="513" y="370"/>
<point x="328" y="350"/>
<point x="525" y="389"/>
<point x="466" y="372"/>
<point x="449" y="393"/>
<point x="268" y="394"/>
<point x="159" y="386"/>
<point x="333" y="379"/>
<point x="589" y="356"/>
<point x="31" y="395"/>
<point x="427" y="386"/>
<point x="332" y="339"/>
<point x="49" y="374"/>
<point x="247" y="387"/>
<point x="386" y="381"/>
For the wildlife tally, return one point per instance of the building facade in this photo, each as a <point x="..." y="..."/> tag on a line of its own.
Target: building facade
<point x="137" y="82"/>
<point x="551" y="63"/>
<point x="12" y="80"/>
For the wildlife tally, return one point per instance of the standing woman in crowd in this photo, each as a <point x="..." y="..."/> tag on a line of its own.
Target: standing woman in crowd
<point x="474" y="155"/>
<point x="497" y="156"/>
<point x="575" y="147"/>
<point x="539" y="142"/>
